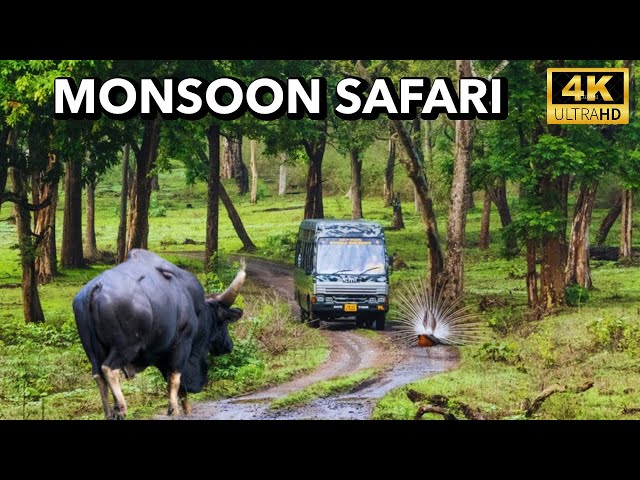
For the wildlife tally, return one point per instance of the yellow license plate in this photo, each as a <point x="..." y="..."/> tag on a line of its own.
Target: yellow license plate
<point x="351" y="307"/>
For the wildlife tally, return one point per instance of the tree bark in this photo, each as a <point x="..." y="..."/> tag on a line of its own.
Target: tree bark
<point x="356" y="184"/>
<point x="453" y="275"/>
<point x="486" y="221"/>
<point x="313" y="206"/>
<point x="389" y="171"/>
<point x="46" y="261"/>
<point x="254" y="174"/>
<point x="626" y="218"/>
<point x="499" y="197"/>
<point x="578" y="268"/>
<point x="398" y="221"/>
<point x="532" y="274"/>
<point x="90" y="245"/>
<point x="608" y="221"/>
<point x="552" y="278"/>
<point x="44" y="186"/>
<point x="282" y="178"/>
<point x="247" y="244"/>
<point x="31" y="306"/>
<point x="213" y="199"/>
<point x="413" y="163"/>
<point x="232" y="165"/>
<point x="146" y="157"/>
<point x="71" y="252"/>
<point x="122" y="226"/>
<point x="416" y="200"/>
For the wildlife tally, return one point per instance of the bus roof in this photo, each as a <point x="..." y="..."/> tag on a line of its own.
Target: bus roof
<point x="341" y="228"/>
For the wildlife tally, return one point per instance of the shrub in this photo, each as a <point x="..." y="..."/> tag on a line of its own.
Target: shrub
<point x="281" y="245"/>
<point x="505" y="320"/>
<point x="576" y="295"/>
<point x="155" y="209"/>
<point x="505" y="352"/>
<point x="618" y="334"/>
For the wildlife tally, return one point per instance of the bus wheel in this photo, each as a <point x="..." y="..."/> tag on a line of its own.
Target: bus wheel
<point x="359" y="322"/>
<point x="312" y="320"/>
<point x="380" y="321"/>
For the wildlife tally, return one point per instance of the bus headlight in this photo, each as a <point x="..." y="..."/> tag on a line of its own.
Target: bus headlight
<point x="382" y="299"/>
<point x="328" y="300"/>
<point x="372" y="300"/>
<point x="320" y="298"/>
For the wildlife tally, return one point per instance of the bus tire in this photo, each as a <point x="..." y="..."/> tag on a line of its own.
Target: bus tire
<point x="380" y="321"/>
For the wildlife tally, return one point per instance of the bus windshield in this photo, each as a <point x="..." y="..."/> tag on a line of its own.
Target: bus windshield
<point x="350" y="255"/>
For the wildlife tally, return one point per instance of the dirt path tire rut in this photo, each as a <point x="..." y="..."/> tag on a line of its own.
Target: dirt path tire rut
<point x="349" y="353"/>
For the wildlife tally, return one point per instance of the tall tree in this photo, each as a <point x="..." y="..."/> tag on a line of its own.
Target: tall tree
<point x="90" y="245"/>
<point x="456" y="226"/>
<point x="389" y="170"/>
<point x="282" y="177"/>
<point x="146" y="155"/>
<point x="232" y="165"/>
<point x="71" y="255"/>
<point x="213" y="196"/>
<point x="608" y="221"/>
<point x="485" y="223"/>
<point x="122" y="224"/>
<point x="254" y="173"/>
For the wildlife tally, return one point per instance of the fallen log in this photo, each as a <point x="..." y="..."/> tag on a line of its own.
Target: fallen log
<point x="609" y="253"/>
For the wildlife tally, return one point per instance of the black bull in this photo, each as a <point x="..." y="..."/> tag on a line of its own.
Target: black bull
<point x="148" y="312"/>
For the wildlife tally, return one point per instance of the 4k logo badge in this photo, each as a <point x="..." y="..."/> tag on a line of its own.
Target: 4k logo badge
<point x="588" y="95"/>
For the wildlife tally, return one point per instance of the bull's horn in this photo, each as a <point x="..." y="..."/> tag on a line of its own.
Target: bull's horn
<point x="229" y="295"/>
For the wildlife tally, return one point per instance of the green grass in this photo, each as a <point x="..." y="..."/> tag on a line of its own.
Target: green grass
<point x="325" y="388"/>
<point x="46" y="365"/>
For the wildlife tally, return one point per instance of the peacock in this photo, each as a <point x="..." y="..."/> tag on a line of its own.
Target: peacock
<point x="434" y="318"/>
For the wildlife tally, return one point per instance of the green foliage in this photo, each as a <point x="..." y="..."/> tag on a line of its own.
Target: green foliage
<point x="505" y="320"/>
<point x="155" y="209"/>
<point x="506" y="352"/>
<point x="280" y="245"/>
<point x="576" y="295"/>
<point x="615" y="333"/>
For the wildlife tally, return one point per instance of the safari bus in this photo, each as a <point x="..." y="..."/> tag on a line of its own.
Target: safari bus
<point x="342" y="272"/>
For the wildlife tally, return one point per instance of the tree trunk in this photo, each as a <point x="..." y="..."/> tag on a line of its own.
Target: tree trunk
<point x="486" y="221"/>
<point x="232" y="165"/>
<point x="499" y="197"/>
<point x="122" y="226"/>
<point x="471" y="203"/>
<point x="453" y="278"/>
<point x="416" y="200"/>
<point x="552" y="278"/>
<point x="532" y="274"/>
<point x="578" y="268"/>
<point x="254" y="174"/>
<point x="146" y="157"/>
<point x="356" y="184"/>
<point x="428" y="143"/>
<point x="44" y="186"/>
<point x="46" y="257"/>
<point x="626" y="219"/>
<point x="413" y="163"/>
<point x="247" y="244"/>
<point x="71" y="252"/>
<point x="282" y="179"/>
<point x="389" y="170"/>
<point x="30" y="298"/>
<point x="90" y="246"/>
<point x="608" y="221"/>
<point x="313" y="205"/>
<point x="213" y="199"/>
<point x="398" y="221"/>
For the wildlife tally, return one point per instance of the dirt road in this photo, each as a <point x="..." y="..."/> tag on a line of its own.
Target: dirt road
<point x="350" y="352"/>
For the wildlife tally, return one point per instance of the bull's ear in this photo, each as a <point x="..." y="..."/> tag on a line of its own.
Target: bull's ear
<point x="232" y="314"/>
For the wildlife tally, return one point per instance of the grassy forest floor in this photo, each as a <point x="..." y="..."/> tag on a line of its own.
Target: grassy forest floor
<point x="44" y="372"/>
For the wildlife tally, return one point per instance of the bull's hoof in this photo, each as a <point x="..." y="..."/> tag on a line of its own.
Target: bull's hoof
<point x="172" y="412"/>
<point x="118" y="414"/>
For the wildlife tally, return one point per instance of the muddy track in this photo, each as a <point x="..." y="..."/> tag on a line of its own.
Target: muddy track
<point x="349" y="352"/>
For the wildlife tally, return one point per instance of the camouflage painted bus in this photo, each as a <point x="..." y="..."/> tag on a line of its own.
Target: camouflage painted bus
<point x="342" y="272"/>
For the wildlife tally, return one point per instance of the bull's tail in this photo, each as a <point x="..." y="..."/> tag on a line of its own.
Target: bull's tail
<point x="84" y="312"/>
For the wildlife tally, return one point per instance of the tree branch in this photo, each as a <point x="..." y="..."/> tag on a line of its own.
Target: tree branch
<point x="432" y="409"/>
